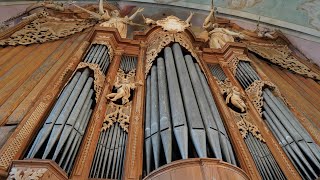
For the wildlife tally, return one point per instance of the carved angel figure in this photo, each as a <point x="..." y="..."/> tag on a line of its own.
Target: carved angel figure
<point x="217" y="37"/>
<point x="115" y="21"/>
<point x="123" y="90"/>
<point x="234" y="96"/>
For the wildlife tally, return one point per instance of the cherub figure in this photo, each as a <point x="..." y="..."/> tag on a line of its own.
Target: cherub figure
<point x="217" y="37"/>
<point x="123" y="90"/>
<point x="115" y="21"/>
<point x="234" y="96"/>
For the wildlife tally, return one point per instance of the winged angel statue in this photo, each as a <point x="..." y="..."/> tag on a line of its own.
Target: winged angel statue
<point x="114" y="20"/>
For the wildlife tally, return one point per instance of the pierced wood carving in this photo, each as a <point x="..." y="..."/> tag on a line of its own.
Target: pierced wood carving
<point x="106" y="43"/>
<point x="160" y="40"/>
<point x="98" y="76"/>
<point x="28" y="174"/>
<point x="245" y="127"/>
<point x="283" y="57"/>
<point x="45" y="29"/>
<point x="233" y="63"/>
<point x="254" y="91"/>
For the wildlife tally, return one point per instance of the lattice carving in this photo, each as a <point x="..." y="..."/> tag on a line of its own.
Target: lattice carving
<point x="254" y="92"/>
<point x="45" y="29"/>
<point x="98" y="76"/>
<point x="106" y="43"/>
<point x="283" y="57"/>
<point x="160" y="40"/>
<point x="233" y="63"/>
<point x="26" y="174"/>
<point x="245" y="126"/>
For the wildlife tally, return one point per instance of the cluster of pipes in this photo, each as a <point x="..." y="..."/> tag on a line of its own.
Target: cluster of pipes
<point x="110" y="152"/>
<point x="61" y="134"/>
<point x="296" y="142"/>
<point x="179" y="99"/>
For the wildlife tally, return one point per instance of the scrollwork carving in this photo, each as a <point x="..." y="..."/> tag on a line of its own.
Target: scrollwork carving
<point x="98" y="76"/>
<point x="254" y="91"/>
<point x="26" y="174"/>
<point x="245" y="126"/>
<point x="233" y="63"/>
<point x="283" y="57"/>
<point x="106" y="43"/>
<point x="45" y="29"/>
<point x="117" y="113"/>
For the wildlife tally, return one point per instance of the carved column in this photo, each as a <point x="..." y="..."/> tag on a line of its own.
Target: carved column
<point x="21" y="137"/>
<point x="86" y="154"/>
<point x="134" y="152"/>
<point x="273" y="145"/>
<point x="240" y="148"/>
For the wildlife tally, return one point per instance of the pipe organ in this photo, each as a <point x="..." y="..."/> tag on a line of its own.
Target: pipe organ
<point x="167" y="103"/>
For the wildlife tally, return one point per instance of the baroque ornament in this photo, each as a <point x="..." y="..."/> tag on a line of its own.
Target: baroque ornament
<point x="171" y="23"/>
<point x="245" y="127"/>
<point x="283" y="57"/>
<point x="235" y="98"/>
<point x="26" y="174"/>
<point x="160" y="39"/>
<point x="233" y="63"/>
<point x="115" y="20"/>
<point x="98" y="76"/>
<point x="254" y="91"/>
<point x="45" y="29"/>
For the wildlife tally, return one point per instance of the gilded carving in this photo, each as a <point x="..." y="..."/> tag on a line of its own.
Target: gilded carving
<point x="283" y="57"/>
<point x="171" y="23"/>
<point x="45" y="29"/>
<point x="254" y="91"/>
<point x="98" y="76"/>
<point x="26" y="174"/>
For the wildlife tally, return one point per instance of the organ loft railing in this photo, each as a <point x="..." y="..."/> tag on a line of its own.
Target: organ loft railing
<point x="163" y="104"/>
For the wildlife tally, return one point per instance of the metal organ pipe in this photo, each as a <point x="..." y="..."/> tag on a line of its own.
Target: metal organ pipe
<point x="61" y="135"/>
<point x="186" y="103"/>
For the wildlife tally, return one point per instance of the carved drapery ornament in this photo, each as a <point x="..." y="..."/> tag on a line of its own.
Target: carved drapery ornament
<point x="106" y="43"/>
<point x="233" y="63"/>
<point x="283" y="57"/>
<point x="98" y="76"/>
<point x="254" y="91"/>
<point x="45" y="29"/>
<point x="160" y="40"/>
<point x="26" y="174"/>
<point x="245" y="127"/>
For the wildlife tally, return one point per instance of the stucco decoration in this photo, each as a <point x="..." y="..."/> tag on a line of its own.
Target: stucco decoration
<point x="283" y="57"/>
<point x="313" y="10"/>
<point x="45" y="29"/>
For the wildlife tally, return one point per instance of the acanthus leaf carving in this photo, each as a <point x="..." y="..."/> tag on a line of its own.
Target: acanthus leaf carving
<point x="245" y="126"/>
<point x="233" y="63"/>
<point x="45" y="28"/>
<point x="283" y="57"/>
<point x="254" y="91"/>
<point x="98" y="76"/>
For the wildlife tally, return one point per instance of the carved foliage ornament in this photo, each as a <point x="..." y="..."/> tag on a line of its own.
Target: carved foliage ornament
<point x="26" y="174"/>
<point x="45" y="29"/>
<point x="106" y="43"/>
<point x="119" y="113"/>
<point x="98" y="76"/>
<point x="254" y="92"/>
<point x="283" y="57"/>
<point x="161" y="39"/>
<point x="233" y="63"/>
<point x="246" y="126"/>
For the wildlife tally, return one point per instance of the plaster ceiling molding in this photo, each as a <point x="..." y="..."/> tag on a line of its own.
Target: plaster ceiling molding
<point x="313" y="10"/>
<point x="241" y="4"/>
